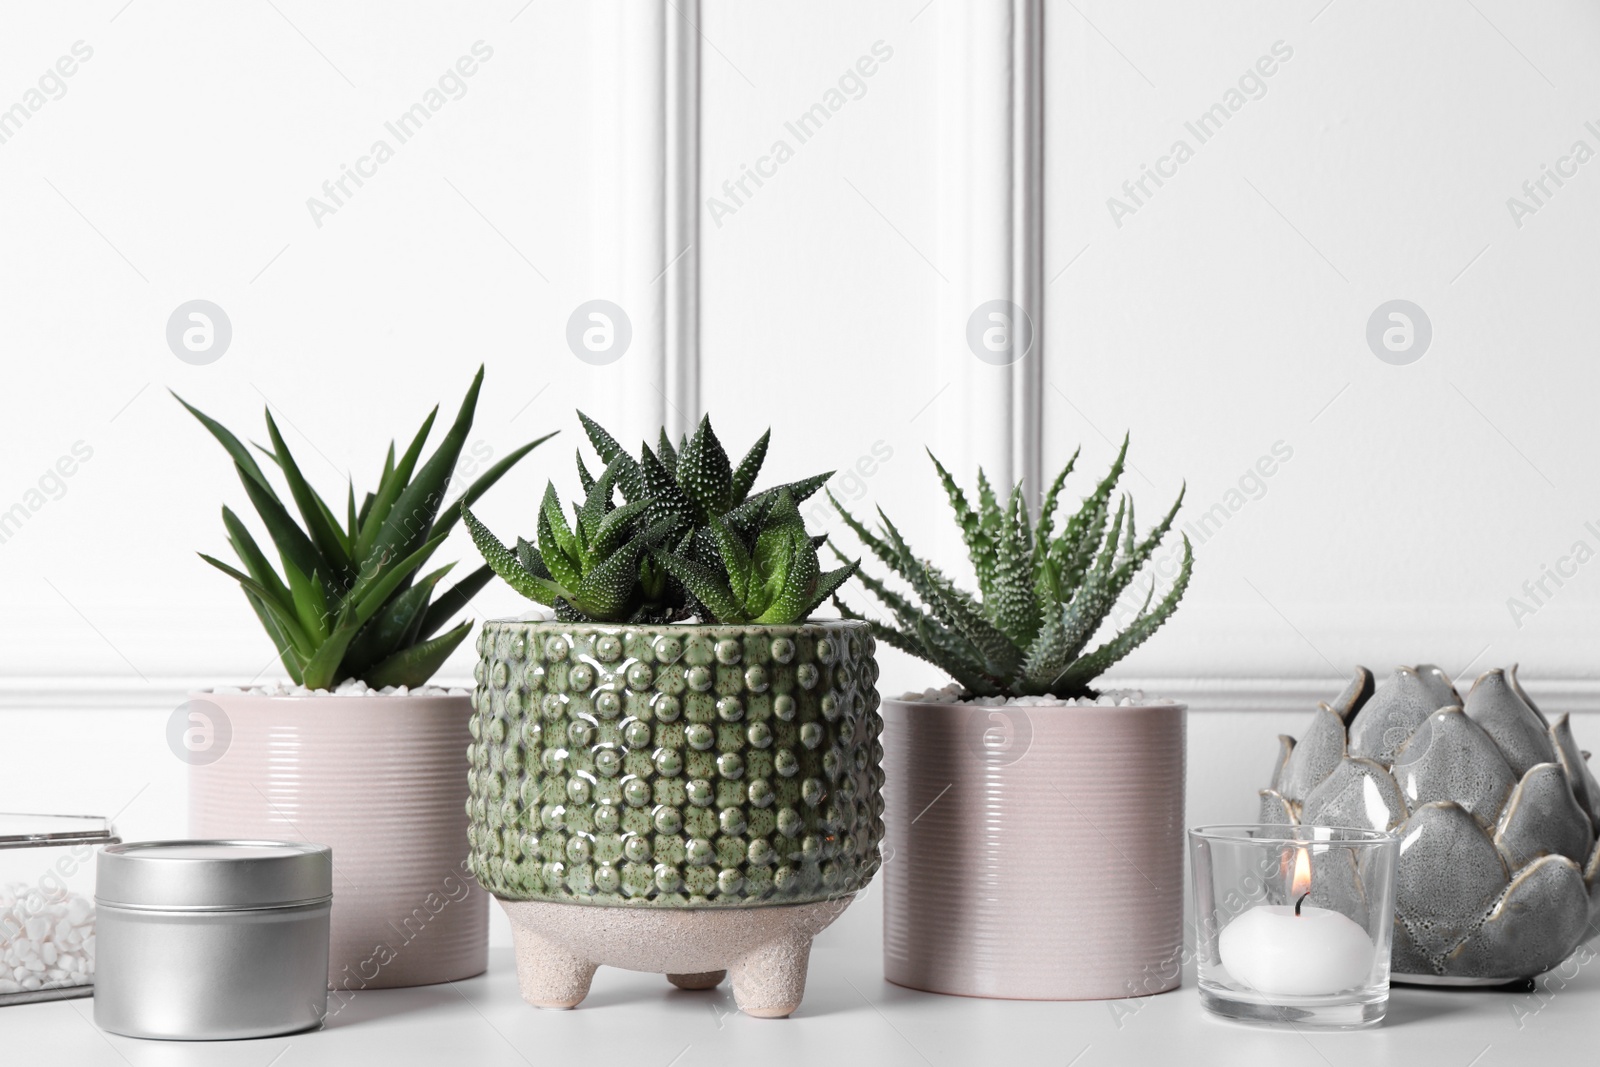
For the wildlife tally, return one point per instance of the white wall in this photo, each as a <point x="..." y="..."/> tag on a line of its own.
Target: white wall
<point x="1228" y="314"/>
<point x="178" y="165"/>
<point x="1224" y="315"/>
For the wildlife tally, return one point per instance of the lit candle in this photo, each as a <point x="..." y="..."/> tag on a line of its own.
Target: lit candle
<point x="1296" y="950"/>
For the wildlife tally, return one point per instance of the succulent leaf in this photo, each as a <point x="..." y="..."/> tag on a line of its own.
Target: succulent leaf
<point x="451" y="512"/>
<point x="887" y="634"/>
<point x="704" y="472"/>
<point x="393" y="623"/>
<point x="585" y="479"/>
<point x="283" y="614"/>
<point x="294" y="547"/>
<point x="980" y="549"/>
<point x="325" y="533"/>
<point x="255" y="561"/>
<point x="1046" y="526"/>
<point x="453" y="600"/>
<point x="706" y="585"/>
<point x="280" y="639"/>
<point x="603" y="443"/>
<point x="241" y="455"/>
<point x="605" y="591"/>
<point x="597" y="501"/>
<point x="395" y="476"/>
<point x="828" y="583"/>
<point x="1015" y="605"/>
<point x="746" y="517"/>
<point x="744" y="477"/>
<point x="414" y="665"/>
<point x="736" y="560"/>
<point x="554" y="538"/>
<point x="310" y="606"/>
<point x="613" y="529"/>
<point x="667" y="454"/>
<point x="536" y="587"/>
<point x="410" y="521"/>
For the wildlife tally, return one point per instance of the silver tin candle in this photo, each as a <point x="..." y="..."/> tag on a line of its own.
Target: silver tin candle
<point x="208" y="940"/>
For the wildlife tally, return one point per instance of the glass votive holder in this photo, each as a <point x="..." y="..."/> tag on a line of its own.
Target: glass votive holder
<point x="1293" y="923"/>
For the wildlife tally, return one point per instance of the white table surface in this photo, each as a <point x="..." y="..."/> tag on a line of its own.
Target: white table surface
<point x="850" y="1016"/>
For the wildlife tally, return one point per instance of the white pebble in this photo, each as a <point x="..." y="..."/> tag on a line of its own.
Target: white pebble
<point x="349" y="688"/>
<point x="52" y="931"/>
<point x="953" y="694"/>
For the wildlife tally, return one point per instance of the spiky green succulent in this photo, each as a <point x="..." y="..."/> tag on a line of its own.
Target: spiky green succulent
<point x="349" y="603"/>
<point x="772" y="577"/>
<point x="595" y="569"/>
<point x="690" y="540"/>
<point x="1044" y="595"/>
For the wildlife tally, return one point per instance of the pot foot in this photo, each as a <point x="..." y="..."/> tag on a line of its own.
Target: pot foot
<point x="548" y="976"/>
<point x="763" y="951"/>
<point x="703" y="980"/>
<point x="770" y="982"/>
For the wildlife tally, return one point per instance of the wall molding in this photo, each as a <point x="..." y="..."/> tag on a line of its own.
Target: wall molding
<point x="1203" y="695"/>
<point x="645" y="90"/>
<point x="680" y="352"/>
<point x="991" y="228"/>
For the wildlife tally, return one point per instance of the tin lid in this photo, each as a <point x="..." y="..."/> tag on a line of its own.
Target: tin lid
<point x="39" y="831"/>
<point x="220" y="875"/>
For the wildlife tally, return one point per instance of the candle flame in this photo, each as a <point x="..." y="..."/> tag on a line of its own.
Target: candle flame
<point x="1302" y="874"/>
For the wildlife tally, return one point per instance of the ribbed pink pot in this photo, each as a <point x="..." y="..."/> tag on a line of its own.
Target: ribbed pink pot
<point x="1033" y="853"/>
<point x="383" y="781"/>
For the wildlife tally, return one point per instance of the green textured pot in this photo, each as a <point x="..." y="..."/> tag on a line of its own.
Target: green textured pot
<point x="682" y="799"/>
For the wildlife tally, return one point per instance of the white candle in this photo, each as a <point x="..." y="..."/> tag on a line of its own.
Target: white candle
<point x="1272" y="950"/>
<point x="1296" y="950"/>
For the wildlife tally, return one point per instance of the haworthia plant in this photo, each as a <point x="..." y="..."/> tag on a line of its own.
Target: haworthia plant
<point x="1044" y="595"/>
<point x="770" y="575"/>
<point x="690" y="540"/>
<point x="351" y="601"/>
<point x="594" y="569"/>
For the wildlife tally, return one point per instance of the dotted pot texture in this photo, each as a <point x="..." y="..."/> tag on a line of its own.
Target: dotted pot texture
<point x="675" y="766"/>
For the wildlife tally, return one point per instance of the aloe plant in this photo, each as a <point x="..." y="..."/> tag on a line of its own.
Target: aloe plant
<point x="1044" y="595"/>
<point x="349" y="603"/>
<point x="690" y="539"/>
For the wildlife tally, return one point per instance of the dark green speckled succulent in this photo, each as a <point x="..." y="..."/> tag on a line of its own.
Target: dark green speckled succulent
<point x="690" y="541"/>
<point x="663" y="765"/>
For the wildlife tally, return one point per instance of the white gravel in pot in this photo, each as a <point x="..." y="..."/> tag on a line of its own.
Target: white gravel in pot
<point x="351" y="688"/>
<point x="1118" y="698"/>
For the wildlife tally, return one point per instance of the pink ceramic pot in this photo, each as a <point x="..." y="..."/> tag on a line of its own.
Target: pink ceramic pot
<point x="1033" y="853"/>
<point x="380" y="779"/>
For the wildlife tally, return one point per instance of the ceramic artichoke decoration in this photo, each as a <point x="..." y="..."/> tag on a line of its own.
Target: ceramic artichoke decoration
<point x="1496" y="808"/>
